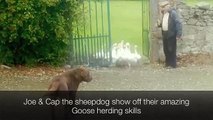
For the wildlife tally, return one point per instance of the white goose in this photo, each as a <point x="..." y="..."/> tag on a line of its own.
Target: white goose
<point x="121" y="53"/>
<point x="114" y="52"/>
<point x="127" y="52"/>
<point x="136" y="55"/>
<point x="120" y="49"/>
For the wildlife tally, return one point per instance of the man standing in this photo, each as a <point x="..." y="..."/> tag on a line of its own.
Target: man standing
<point x="171" y="31"/>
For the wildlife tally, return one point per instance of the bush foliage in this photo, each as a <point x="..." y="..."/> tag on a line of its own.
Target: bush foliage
<point x="36" y="31"/>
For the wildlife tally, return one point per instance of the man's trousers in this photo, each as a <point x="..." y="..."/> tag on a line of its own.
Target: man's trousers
<point x="169" y="47"/>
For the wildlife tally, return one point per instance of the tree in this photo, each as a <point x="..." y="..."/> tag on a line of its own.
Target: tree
<point x="36" y="31"/>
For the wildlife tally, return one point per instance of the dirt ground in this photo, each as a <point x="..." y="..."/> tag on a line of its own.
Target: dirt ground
<point x="146" y="77"/>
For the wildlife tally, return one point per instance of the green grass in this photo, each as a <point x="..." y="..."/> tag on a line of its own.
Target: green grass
<point x="194" y="2"/>
<point x="126" y="21"/>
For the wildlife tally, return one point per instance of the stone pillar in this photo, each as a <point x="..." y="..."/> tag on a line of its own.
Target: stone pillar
<point x="154" y="47"/>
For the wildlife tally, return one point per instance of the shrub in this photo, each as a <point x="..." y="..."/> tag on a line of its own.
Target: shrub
<point x="36" y="31"/>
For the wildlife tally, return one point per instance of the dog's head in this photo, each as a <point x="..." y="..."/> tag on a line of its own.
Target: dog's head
<point x="83" y="74"/>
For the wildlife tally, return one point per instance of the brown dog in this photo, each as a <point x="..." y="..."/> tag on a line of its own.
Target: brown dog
<point x="70" y="80"/>
<point x="66" y="86"/>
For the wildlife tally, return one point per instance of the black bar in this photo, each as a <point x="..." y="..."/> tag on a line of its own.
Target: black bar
<point x="109" y="105"/>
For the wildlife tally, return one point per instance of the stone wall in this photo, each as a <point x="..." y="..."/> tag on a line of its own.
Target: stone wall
<point x="197" y="28"/>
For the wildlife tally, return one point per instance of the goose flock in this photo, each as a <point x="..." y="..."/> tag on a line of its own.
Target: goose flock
<point x="122" y="54"/>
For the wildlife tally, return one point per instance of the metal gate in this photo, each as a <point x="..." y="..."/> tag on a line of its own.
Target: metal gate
<point x="91" y="38"/>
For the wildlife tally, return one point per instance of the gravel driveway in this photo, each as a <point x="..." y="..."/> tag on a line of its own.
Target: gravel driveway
<point x="146" y="77"/>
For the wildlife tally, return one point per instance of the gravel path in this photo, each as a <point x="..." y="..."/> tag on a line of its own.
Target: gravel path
<point x="152" y="78"/>
<point x="147" y="77"/>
